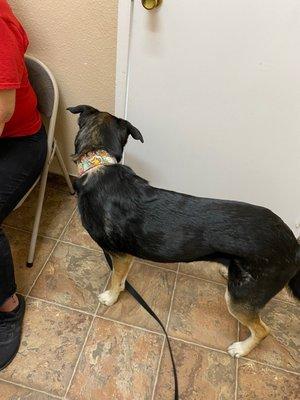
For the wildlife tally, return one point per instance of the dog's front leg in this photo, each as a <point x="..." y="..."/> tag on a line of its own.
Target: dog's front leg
<point x="121" y="267"/>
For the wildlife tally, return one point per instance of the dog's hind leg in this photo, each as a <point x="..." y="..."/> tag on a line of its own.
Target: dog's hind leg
<point x="251" y="319"/>
<point x="121" y="267"/>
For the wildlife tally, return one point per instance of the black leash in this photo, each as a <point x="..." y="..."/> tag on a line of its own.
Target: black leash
<point x="142" y="302"/>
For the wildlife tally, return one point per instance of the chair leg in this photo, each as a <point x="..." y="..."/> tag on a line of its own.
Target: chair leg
<point x="64" y="170"/>
<point x="38" y="214"/>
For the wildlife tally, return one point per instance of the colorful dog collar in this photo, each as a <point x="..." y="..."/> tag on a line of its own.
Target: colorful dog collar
<point x="94" y="159"/>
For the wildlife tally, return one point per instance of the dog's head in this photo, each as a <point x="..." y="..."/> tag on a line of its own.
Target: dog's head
<point x="101" y="130"/>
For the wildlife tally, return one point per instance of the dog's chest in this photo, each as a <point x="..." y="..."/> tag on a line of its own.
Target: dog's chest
<point x="97" y="222"/>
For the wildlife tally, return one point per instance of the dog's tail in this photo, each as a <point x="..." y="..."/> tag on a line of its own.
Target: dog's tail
<point x="298" y="253"/>
<point x="294" y="283"/>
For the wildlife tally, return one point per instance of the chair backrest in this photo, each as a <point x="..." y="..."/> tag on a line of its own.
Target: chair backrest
<point x="44" y="85"/>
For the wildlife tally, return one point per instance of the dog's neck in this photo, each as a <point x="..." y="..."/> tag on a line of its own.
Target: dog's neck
<point x="94" y="159"/>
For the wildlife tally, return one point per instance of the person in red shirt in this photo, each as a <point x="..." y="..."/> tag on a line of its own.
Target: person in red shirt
<point x="23" y="149"/>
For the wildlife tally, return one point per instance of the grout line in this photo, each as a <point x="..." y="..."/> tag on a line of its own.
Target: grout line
<point x="27" y="231"/>
<point x="41" y="270"/>
<point x="149" y="264"/>
<point x="83" y="345"/>
<point x="164" y="342"/>
<point x="158" y="368"/>
<point x="237" y="367"/>
<point x="291" y="302"/>
<point x="54" y="238"/>
<point x="59" y="305"/>
<point x="199" y="345"/>
<point x="82" y="246"/>
<point x="203" y="279"/>
<point x="236" y="379"/>
<point x="172" y="298"/>
<point x="51" y="252"/>
<point x="79" y="356"/>
<point x="271" y="366"/>
<point x="30" y="388"/>
<point x="129" y="325"/>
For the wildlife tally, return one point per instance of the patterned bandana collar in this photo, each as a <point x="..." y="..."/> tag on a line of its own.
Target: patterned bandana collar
<point x="93" y="159"/>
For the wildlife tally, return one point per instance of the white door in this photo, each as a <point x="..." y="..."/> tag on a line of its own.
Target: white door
<point x="214" y="87"/>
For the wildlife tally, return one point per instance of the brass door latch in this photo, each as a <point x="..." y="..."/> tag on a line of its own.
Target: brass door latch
<point x="151" y="4"/>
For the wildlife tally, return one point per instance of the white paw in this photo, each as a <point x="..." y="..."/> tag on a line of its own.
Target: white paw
<point x="239" y="349"/>
<point x="108" y="298"/>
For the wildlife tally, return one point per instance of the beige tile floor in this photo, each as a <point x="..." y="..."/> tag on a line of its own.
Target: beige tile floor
<point x="73" y="348"/>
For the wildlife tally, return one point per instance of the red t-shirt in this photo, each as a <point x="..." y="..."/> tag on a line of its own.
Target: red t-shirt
<point x="26" y="119"/>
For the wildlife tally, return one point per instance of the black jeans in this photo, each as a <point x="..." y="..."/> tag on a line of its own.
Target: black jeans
<point x="21" y="162"/>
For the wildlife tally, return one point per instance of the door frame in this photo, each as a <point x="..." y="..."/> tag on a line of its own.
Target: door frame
<point x="124" y="26"/>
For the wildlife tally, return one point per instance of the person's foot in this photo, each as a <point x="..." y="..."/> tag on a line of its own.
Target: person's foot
<point x="10" y="304"/>
<point x="10" y="332"/>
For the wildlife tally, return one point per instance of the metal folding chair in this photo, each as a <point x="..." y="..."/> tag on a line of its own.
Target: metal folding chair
<point x="45" y="86"/>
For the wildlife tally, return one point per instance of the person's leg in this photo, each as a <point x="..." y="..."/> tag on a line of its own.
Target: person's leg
<point x="21" y="162"/>
<point x="8" y="298"/>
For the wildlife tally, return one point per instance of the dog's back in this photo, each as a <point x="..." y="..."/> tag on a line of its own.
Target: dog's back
<point x="124" y="212"/>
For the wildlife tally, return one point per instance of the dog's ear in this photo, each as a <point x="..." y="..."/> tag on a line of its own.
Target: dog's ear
<point x="134" y="132"/>
<point x="84" y="113"/>
<point x="82" y="108"/>
<point x="131" y="130"/>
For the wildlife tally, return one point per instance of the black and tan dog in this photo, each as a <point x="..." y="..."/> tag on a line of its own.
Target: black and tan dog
<point x="127" y="217"/>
